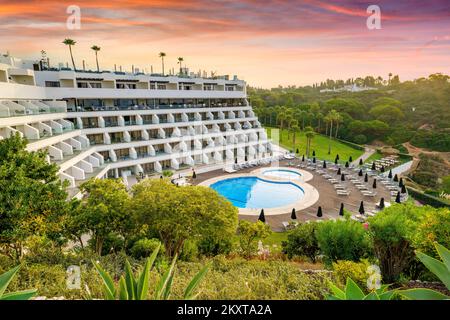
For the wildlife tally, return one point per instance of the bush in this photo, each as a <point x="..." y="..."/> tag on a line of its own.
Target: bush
<point x="302" y="241"/>
<point x="343" y="240"/>
<point x="391" y="231"/>
<point x="189" y="251"/>
<point x="428" y="199"/>
<point x="433" y="227"/>
<point x="212" y="246"/>
<point x="112" y="243"/>
<point x="249" y="233"/>
<point x="143" y="248"/>
<point x="360" y="139"/>
<point x="357" y="271"/>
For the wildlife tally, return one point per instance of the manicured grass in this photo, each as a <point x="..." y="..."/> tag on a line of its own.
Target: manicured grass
<point x="274" y="240"/>
<point x="319" y="144"/>
<point x="373" y="157"/>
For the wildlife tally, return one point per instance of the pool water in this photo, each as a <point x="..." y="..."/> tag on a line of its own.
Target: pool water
<point x="282" y="173"/>
<point x="256" y="193"/>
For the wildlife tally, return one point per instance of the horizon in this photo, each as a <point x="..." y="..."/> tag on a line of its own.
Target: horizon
<point x="283" y="43"/>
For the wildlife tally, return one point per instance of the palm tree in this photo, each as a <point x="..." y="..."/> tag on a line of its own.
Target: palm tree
<point x="180" y="60"/>
<point x="309" y="133"/>
<point x="289" y="120"/>
<point x="338" y="119"/>
<point x="390" y="75"/>
<point x="319" y="117"/>
<point x="96" y="50"/>
<point x="70" y="43"/>
<point x="294" y="129"/>
<point x="162" y="55"/>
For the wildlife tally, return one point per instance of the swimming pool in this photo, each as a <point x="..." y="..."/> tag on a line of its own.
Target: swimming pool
<point x="255" y="193"/>
<point x="282" y="173"/>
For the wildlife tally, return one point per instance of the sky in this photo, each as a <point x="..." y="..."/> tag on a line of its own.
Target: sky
<point x="265" y="42"/>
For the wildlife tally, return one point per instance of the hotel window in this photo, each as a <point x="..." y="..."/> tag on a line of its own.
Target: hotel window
<point x="120" y="85"/>
<point x="82" y="85"/>
<point x="52" y="84"/>
<point x="96" y="85"/>
<point x="229" y="88"/>
<point x="161" y="86"/>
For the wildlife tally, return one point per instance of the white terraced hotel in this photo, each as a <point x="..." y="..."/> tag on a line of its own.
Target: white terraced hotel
<point x="114" y="124"/>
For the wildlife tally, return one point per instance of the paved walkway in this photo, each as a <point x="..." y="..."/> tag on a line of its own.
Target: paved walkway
<point x="367" y="153"/>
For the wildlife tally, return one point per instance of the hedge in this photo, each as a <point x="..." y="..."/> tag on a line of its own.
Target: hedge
<point x="351" y="144"/>
<point x="428" y="199"/>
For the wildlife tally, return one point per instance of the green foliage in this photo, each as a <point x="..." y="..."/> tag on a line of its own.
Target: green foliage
<point x="343" y="240"/>
<point x="5" y="279"/>
<point x="353" y="292"/>
<point x="434" y="226"/>
<point x="360" y="139"/>
<point x="211" y="246"/>
<point x="391" y="231"/>
<point x="103" y="211"/>
<point x="357" y="271"/>
<point x="144" y="247"/>
<point x="167" y="173"/>
<point x="32" y="199"/>
<point x="131" y="287"/>
<point x="302" y="241"/>
<point x="432" y="139"/>
<point x="249" y="234"/>
<point x="440" y="268"/>
<point x="179" y="214"/>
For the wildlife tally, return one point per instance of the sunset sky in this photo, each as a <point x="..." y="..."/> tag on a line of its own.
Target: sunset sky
<point x="265" y="42"/>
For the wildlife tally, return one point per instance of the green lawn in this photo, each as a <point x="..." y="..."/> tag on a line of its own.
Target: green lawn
<point x="373" y="157"/>
<point x="275" y="239"/>
<point x="319" y="144"/>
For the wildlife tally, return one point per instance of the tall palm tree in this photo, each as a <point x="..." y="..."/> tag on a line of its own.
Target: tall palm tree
<point x="338" y="119"/>
<point x="70" y="43"/>
<point x="390" y="75"/>
<point x="96" y="50"/>
<point x="180" y="60"/>
<point x="309" y="133"/>
<point x="319" y="117"/>
<point x="162" y="55"/>
<point x="294" y="129"/>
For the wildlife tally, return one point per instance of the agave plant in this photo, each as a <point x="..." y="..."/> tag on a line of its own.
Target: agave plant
<point x="5" y="279"/>
<point x="440" y="268"/>
<point x="132" y="287"/>
<point x="353" y="292"/>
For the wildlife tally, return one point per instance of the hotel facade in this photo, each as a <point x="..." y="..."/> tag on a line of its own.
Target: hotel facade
<point x="116" y="124"/>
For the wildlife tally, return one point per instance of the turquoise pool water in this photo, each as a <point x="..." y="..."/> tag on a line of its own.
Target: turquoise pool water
<point x="282" y="173"/>
<point x="253" y="192"/>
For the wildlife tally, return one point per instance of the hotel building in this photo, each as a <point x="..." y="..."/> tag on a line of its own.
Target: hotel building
<point x="115" y="124"/>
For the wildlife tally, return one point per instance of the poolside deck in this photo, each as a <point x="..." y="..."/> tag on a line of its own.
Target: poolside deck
<point x="328" y="199"/>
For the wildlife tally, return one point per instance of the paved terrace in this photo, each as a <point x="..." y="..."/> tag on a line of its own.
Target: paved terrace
<point x="328" y="199"/>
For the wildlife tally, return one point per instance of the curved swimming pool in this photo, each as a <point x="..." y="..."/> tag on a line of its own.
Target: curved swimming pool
<point x="282" y="173"/>
<point x="255" y="193"/>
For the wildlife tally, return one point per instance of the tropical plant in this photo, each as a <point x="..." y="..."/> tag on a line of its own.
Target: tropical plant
<point x="302" y="241"/>
<point x="249" y="233"/>
<point x="5" y="279"/>
<point x="180" y="60"/>
<point x="353" y="292"/>
<point x="70" y="43"/>
<point x="162" y="55"/>
<point x="96" y="50"/>
<point x="440" y="268"/>
<point x="309" y="133"/>
<point x="131" y="287"/>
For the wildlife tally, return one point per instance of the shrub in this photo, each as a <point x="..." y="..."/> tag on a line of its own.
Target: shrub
<point x="391" y="232"/>
<point x="357" y="271"/>
<point x="189" y="251"/>
<point x="360" y="139"/>
<point x="143" y="248"/>
<point x="112" y="243"/>
<point x="343" y="240"/>
<point x="212" y="246"/>
<point x="433" y="227"/>
<point x="249" y="233"/>
<point x="302" y="241"/>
